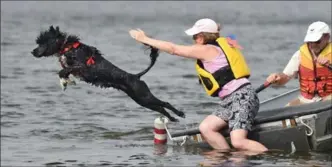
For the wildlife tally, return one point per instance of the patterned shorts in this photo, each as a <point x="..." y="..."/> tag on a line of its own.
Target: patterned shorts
<point x="239" y="108"/>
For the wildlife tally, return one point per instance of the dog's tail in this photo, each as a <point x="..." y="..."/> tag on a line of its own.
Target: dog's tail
<point x="154" y="53"/>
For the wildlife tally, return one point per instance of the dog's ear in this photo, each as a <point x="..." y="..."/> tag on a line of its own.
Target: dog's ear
<point x="57" y="30"/>
<point x="52" y="28"/>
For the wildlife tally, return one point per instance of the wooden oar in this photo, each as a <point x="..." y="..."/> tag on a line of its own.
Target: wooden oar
<point x="263" y="86"/>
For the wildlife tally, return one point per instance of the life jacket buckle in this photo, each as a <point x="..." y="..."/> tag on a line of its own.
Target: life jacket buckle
<point x="316" y="92"/>
<point x="324" y="87"/>
<point x="317" y="79"/>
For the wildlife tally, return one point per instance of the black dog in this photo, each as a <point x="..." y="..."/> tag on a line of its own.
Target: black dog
<point x="87" y="63"/>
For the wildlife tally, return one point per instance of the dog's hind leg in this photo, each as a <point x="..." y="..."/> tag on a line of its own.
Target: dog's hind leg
<point x="170" y="107"/>
<point x="152" y="106"/>
<point x="141" y="92"/>
<point x="167" y="105"/>
<point x="155" y="101"/>
<point x="162" y="111"/>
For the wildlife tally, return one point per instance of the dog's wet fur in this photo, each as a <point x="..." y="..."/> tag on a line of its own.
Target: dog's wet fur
<point x="87" y="64"/>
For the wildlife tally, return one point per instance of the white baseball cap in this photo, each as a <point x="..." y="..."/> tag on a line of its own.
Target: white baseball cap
<point x="316" y="30"/>
<point x="203" y="25"/>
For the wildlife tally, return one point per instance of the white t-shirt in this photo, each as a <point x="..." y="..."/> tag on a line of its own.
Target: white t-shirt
<point x="293" y="65"/>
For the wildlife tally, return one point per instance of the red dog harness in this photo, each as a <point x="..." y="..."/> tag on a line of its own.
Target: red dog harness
<point x="90" y="60"/>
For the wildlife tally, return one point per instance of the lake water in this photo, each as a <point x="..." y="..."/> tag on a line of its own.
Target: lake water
<point x="41" y="125"/>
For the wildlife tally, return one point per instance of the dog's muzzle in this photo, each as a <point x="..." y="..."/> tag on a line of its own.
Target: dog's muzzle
<point x="38" y="52"/>
<point x="35" y="53"/>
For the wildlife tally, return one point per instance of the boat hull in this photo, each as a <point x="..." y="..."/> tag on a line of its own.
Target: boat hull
<point x="297" y="128"/>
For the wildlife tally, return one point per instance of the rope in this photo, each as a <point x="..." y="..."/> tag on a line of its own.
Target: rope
<point x="184" y="138"/>
<point x="311" y="131"/>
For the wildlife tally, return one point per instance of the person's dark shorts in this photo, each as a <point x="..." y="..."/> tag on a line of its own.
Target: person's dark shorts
<point x="239" y="108"/>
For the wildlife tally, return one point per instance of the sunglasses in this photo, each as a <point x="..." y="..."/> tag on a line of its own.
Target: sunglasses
<point x="318" y="42"/>
<point x="196" y="36"/>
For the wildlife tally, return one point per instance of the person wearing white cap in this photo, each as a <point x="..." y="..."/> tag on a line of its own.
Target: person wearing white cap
<point x="223" y="73"/>
<point x="311" y="63"/>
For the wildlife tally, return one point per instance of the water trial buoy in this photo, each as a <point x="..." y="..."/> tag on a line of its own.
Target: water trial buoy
<point x="160" y="134"/>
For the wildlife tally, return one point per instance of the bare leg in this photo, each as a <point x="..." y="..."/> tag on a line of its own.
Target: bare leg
<point x="210" y="128"/>
<point x="240" y="141"/>
<point x="294" y="102"/>
<point x="297" y="101"/>
<point x="329" y="97"/>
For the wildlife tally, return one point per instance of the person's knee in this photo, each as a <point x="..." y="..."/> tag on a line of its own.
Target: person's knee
<point x="204" y="128"/>
<point x="211" y="124"/>
<point x="239" y="138"/>
<point x="238" y="143"/>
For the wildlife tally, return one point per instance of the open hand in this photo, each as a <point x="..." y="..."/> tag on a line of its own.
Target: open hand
<point x="323" y="60"/>
<point x="138" y="34"/>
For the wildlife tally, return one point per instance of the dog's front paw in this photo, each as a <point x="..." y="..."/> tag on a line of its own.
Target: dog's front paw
<point x="63" y="83"/>
<point x="71" y="82"/>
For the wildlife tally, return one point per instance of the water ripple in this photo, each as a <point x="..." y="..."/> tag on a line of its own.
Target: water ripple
<point x="46" y="71"/>
<point x="12" y="114"/>
<point x="35" y="89"/>
<point x="102" y="114"/>
<point x="119" y="135"/>
<point x="8" y="124"/>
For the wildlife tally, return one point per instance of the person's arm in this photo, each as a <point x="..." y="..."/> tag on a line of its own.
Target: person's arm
<point x="289" y="72"/>
<point x="201" y="52"/>
<point x="281" y="79"/>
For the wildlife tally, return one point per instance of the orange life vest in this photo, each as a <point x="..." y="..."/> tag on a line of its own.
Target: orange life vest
<point x="315" y="79"/>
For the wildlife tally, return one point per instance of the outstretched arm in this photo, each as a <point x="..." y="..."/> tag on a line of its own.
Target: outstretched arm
<point x="193" y="51"/>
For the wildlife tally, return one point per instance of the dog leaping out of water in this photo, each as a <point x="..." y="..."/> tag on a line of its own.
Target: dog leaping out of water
<point x="87" y="64"/>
